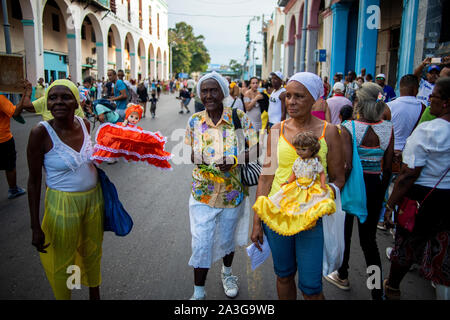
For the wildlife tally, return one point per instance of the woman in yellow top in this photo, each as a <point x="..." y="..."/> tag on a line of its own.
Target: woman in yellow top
<point x="304" y="197"/>
<point x="304" y="250"/>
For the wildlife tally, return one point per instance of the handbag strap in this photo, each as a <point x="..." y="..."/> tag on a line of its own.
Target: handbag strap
<point x="233" y="103"/>
<point x="236" y="122"/>
<point x="355" y="146"/>
<point x="445" y="173"/>
<point x="237" y="126"/>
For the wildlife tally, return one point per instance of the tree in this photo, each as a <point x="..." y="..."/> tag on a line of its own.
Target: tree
<point x="236" y="67"/>
<point x="189" y="53"/>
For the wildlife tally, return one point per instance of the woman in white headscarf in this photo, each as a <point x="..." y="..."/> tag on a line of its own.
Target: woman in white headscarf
<point x="215" y="205"/>
<point x="304" y="250"/>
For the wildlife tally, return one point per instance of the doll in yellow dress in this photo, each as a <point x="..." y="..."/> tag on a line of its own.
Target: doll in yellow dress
<point x="304" y="198"/>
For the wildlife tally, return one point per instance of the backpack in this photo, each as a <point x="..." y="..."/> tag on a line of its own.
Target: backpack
<point x="105" y="102"/>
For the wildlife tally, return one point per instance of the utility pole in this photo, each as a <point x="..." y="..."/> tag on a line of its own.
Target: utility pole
<point x="171" y="71"/>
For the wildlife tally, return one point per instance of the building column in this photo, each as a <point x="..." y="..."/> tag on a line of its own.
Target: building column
<point x="102" y="60"/>
<point x="291" y="60"/>
<point x="133" y="65"/>
<point x="158" y="69"/>
<point x="276" y="56"/>
<point x="327" y="32"/>
<point x="340" y="13"/>
<point x="367" y="42"/>
<point x="312" y="34"/>
<point x="298" y="48"/>
<point x="34" y="56"/>
<point x="407" y="39"/>
<point x="119" y="59"/>
<point x="74" y="52"/>
<point x="144" y="71"/>
<point x="152" y="74"/>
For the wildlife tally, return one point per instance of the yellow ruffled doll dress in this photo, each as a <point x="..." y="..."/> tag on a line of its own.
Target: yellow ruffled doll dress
<point x="298" y="205"/>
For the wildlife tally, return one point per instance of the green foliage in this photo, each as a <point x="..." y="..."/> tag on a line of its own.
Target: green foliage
<point x="189" y="53"/>
<point x="236" y="67"/>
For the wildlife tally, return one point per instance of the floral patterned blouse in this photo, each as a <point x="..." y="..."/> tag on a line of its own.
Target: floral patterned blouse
<point x="216" y="141"/>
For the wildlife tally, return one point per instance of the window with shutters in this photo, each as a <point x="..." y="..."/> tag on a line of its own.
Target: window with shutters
<point x="157" y="21"/>
<point x="150" y="19"/>
<point x="112" y="6"/>
<point x="140" y="14"/>
<point x="129" y="10"/>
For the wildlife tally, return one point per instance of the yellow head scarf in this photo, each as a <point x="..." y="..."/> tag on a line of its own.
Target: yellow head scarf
<point x="66" y="83"/>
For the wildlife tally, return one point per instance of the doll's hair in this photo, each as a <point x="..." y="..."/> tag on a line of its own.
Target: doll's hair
<point x="307" y="140"/>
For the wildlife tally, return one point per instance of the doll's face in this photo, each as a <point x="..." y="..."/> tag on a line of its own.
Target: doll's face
<point x="133" y="118"/>
<point x="304" y="152"/>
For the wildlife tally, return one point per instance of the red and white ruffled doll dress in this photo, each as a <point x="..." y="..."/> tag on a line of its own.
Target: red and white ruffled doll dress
<point x="130" y="143"/>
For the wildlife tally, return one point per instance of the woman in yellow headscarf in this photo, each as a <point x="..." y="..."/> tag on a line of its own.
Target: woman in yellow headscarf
<point x="71" y="235"/>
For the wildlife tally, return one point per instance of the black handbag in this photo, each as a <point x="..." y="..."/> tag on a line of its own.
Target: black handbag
<point x="251" y="171"/>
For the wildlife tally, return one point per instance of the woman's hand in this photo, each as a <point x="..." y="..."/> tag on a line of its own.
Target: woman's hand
<point x="259" y="96"/>
<point x="39" y="240"/>
<point x="257" y="235"/>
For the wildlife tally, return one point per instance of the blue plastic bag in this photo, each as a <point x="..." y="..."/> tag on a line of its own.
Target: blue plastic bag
<point x="353" y="195"/>
<point x="117" y="218"/>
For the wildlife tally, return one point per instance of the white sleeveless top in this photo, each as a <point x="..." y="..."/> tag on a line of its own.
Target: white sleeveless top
<point x="275" y="106"/>
<point x="254" y="114"/>
<point x="66" y="169"/>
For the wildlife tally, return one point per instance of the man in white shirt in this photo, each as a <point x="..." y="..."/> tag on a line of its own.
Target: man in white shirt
<point x="277" y="106"/>
<point x="190" y="84"/>
<point x="405" y="110"/>
<point x="426" y="86"/>
<point x="336" y="102"/>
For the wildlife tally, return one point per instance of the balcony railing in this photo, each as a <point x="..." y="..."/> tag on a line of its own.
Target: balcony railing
<point x="102" y="4"/>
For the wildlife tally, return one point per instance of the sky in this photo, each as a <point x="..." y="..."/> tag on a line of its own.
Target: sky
<point x="224" y="36"/>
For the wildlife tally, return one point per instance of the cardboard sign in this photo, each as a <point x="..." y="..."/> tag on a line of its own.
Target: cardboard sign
<point x="12" y="73"/>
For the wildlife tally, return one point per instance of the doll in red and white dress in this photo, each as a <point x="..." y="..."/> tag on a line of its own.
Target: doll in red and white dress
<point x="127" y="141"/>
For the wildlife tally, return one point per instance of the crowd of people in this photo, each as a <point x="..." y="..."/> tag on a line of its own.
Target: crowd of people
<point x="398" y="147"/>
<point x="320" y="138"/>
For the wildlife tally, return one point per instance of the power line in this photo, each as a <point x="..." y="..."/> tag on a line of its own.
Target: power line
<point x="208" y="15"/>
<point x="225" y="3"/>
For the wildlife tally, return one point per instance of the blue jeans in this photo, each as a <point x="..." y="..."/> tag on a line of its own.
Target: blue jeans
<point x="121" y="113"/>
<point x="303" y="251"/>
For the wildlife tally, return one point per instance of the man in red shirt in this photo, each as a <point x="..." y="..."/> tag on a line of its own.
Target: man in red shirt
<point x="7" y="145"/>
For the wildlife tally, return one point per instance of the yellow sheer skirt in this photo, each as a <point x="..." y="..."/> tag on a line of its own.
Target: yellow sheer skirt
<point x="73" y="225"/>
<point x="293" y="209"/>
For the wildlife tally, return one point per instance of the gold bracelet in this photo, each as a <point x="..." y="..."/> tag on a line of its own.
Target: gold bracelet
<point x="236" y="162"/>
<point x="388" y="207"/>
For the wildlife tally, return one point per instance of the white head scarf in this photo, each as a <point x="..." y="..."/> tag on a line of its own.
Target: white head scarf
<point x="223" y="83"/>
<point x="311" y="81"/>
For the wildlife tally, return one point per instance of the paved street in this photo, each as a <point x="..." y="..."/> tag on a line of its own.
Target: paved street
<point x="152" y="261"/>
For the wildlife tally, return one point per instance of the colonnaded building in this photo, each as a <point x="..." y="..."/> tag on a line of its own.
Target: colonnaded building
<point x="330" y="36"/>
<point x="59" y="38"/>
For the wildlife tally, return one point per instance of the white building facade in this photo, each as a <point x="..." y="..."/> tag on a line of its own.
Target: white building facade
<point x="59" y="38"/>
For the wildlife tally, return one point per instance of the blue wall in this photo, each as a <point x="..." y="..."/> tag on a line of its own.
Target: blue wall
<point x="54" y="62"/>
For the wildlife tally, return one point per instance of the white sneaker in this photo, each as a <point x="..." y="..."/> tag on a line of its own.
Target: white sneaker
<point x="230" y="285"/>
<point x="388" y="252"/>
<point x="198" y="298"/>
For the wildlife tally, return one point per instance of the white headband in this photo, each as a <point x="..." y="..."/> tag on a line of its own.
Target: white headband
<point x="311" y="81"/>
<point x="223" y="83"/>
